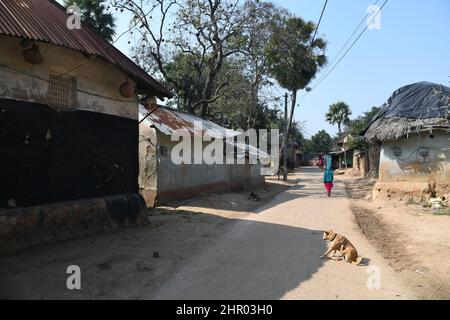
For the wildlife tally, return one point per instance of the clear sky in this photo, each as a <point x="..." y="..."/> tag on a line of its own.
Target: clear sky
<point x="412" y="45"/>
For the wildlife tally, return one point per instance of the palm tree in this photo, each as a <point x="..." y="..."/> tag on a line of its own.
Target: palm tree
<point x="294" y="57"/>
<point x="338" y="113"/>
<point x="94" y="15"/>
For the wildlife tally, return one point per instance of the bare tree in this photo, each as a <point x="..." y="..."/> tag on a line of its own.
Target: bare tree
<point x="208" y="31"/>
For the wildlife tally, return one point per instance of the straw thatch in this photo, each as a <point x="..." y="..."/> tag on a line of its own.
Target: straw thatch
<point x="411" y="109"/>
<point x="385" y="129"/>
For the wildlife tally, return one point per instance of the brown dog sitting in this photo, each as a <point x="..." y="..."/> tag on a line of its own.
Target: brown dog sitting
<point x="343" y="245"/>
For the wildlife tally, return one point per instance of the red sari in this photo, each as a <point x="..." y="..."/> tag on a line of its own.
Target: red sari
<point x="328" y="186"/>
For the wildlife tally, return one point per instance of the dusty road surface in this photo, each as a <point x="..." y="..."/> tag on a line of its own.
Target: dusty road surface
<point x="411" y="237"/>
<point x="274" y="254"/>
<point x="269" y="253"/>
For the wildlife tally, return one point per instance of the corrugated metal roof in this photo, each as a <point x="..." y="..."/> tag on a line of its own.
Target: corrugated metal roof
<point x="244" y="149"/>
<point x="168" y="120"/>
<point x="45" y="20"/>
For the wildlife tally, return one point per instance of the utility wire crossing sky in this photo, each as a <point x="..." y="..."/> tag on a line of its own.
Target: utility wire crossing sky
<point x="366" y="64"/>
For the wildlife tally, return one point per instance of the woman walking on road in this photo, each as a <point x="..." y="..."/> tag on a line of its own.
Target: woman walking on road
<point x="328" y="176"/>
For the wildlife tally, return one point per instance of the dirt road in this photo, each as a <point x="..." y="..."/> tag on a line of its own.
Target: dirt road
<point x="271" y="253"/>
<point x="274" y="254"/>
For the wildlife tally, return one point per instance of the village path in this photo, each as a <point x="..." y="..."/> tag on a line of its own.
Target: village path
<point x="274" y="254"/>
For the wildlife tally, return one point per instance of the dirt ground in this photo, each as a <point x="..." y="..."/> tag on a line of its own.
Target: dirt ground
<point x="226" y="245"/>
<point x="415" y="242"/>
<point x="275" y="253"/>
<point x="131" y="262"/>
<point x="234" y="204"/>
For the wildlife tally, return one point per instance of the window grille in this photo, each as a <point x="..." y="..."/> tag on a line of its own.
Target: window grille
<point x="61" y="92"/>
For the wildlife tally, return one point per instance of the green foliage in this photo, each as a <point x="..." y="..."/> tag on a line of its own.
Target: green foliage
<point x="220" y="56"/>
<point x="210" y="53"/>
<point x="295" y="131"/>
<point x="296" y="134"/>
<point x="292" y="57"/>
<point x="339" y="114"/>
<point x="354" y="127"/>
<point x="236" y="107"/>
<point x="94" y="15"/>
<point x="186" y="79"/>
<point x="321" y="142"/>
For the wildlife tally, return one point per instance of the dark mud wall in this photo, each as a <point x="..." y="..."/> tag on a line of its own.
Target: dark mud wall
<point x="25" y="227"/>
<point x="49" y="156"/>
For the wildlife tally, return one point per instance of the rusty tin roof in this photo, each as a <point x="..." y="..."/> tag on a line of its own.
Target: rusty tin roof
<point x="45" y="20"/>
<point x="168" y="121"/>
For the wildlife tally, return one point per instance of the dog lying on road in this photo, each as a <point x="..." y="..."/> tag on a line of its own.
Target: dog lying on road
<point x="343" y="245"/>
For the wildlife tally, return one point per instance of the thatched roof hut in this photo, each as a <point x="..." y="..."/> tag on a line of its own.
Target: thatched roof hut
<point x="414" y="108"/>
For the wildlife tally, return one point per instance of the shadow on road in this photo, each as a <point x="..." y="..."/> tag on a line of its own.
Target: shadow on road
<point x="311" y="186"/>
<point x="255" y="260"/>
<point x="199" y="257"/>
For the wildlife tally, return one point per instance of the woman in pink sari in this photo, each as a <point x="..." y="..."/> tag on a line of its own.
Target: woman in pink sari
<point x="328" y="177"/>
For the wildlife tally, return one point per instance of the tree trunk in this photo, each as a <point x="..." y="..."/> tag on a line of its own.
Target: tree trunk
<point x="214" y="68"/>
<point x="188" y="105"/>
<point x="285" y="138"/>
<point x="293" y="103"/>
<point x="288" y="129"/>
<point x="251" y="112"/>
<point x="206" y="96"/>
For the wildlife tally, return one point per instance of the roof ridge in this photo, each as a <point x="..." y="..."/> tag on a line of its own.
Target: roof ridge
<point x="180" y="111"/>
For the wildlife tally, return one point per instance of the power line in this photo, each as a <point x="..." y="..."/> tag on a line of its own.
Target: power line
<point x="315" y="33"/>
<point x="307" y="133"/>
<point x="350" y="38"/>
<point x="354" y="42"/>
<point x="351" y="46"/>
<point x="318" y="23"/>
<point x="304" y="128"/>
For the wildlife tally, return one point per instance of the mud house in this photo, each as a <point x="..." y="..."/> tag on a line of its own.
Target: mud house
<point x="413" y="133"/>
<point x="161" y="179"/>
<point x="342" y="157"/>
<point x="366" y="162"/>
<point x="68" y="110"/>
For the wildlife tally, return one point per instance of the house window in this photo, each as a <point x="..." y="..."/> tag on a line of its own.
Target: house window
<point x="61" y="92"/>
